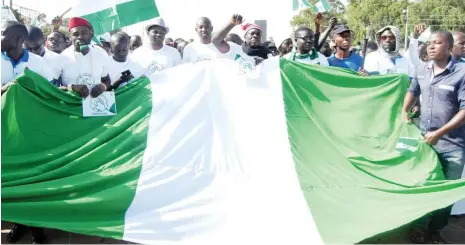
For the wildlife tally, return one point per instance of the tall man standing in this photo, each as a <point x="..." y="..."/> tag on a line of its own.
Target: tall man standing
<point x="441" y="84"/>
<point x="84" y="67"/>
<point x="155" y="56"/>
<point x="205" y="49"/>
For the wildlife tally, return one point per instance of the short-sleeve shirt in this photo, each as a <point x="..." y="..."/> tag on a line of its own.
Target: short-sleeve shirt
<point x="353" y="62"/>
<point x="153" y="61"/>
<point x="11" y="69"/>
<point x="443" y="96"/>
<point x="115" y="69"/>
<point x="79" y="69"/>
<point x="321" y="59"/>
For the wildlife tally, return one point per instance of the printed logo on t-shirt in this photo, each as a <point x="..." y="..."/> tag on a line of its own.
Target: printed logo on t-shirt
<point x="154" y="67"/>
<point x="85" y="79"/>
<point x="204" y="58"/>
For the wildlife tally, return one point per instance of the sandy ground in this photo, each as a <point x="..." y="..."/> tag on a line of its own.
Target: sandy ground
<point x="453" y="233"/>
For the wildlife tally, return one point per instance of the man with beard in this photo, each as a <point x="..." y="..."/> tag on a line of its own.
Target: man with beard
<point x="387" y="58"/>
<point x="155" y="56"/>
<point x="15" y="59"/>
<point x="441" y="85"/>
<point x="252" y="45"/>
<point x="205" y="49"/>
<point x="305" y="51"/>
<point x="135" y="42"/>
<point x="458" y="51"/>
<point x="56" y="42"/>
<point x="35" y="43"/>
<point x="84" y="67"/>
<point x="342" y="38"/>
<point x="118" y="64"/>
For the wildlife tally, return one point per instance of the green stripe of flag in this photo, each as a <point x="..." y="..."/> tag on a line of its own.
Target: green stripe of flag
<point x="122" y="15"/>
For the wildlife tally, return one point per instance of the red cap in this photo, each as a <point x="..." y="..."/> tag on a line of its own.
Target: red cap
<point x="247" y="27"/>
<point x="77" y="21"/>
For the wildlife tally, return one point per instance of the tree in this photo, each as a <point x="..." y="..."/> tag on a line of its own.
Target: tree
<point x="306" y="17"/>
<point x="17" y="15"/>
<point x="439" y="14"/>
<point x="366" y="17"/>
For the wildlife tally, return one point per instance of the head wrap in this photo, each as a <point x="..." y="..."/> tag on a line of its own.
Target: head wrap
<point x="398" y="36"/>
<point x="77" y="21"/>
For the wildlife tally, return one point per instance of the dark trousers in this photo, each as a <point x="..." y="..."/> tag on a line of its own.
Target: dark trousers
<point x="452" y="164"/>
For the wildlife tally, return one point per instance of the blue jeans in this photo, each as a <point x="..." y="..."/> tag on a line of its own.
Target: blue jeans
<point x="452" y="164"/>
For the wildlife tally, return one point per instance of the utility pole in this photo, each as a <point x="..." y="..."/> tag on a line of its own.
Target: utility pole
<point x="406" y="29"/>
<point x="11" y="4"/>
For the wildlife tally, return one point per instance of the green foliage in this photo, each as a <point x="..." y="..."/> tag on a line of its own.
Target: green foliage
<point x="17" y="15"/>
<point x="439" y="14"/>
<point x="366" y="17"/>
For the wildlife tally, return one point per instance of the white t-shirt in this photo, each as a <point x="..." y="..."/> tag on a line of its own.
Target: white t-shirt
<point x="11" y="71"/>
<point x="322" y="60"/>
<point x="115" y="69"/>
<point x="82" y="69"/>
<point x="54" y="61"/>
<point x="195" y="52"/>
<point x="153" y="61"/>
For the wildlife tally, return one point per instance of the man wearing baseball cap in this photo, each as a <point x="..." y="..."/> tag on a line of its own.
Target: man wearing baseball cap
<point x="155" y="56"/>
<point x="342" y="38"/>
<point x="84" y="68"/>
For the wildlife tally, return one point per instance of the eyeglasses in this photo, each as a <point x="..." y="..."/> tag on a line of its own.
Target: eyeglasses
<point x="384" y="38"/>
<point x="35" y="49"/>
<point x="307" y="38"/>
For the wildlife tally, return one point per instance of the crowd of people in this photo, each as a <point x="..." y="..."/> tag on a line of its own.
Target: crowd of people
<point x="436" y="69"/>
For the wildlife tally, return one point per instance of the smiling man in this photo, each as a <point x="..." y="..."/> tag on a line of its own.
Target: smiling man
<point x="441" y="85"/>
<point x="305" y="51"/>
<point x="155" y="56"/>
<point x="84" y="68"/>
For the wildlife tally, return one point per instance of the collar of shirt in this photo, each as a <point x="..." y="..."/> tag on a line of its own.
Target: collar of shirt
<point x="450" y="66"/>
<point x="23" y="58"/>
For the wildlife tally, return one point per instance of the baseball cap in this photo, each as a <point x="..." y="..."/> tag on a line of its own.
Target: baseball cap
<point x="340" y="29"/>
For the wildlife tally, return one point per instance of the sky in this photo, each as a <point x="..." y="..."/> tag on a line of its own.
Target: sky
<point x="181" y="19"/>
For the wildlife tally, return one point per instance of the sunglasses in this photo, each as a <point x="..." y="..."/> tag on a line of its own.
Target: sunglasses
<point x="307" y="38"/>
<point x="384" y="38"/>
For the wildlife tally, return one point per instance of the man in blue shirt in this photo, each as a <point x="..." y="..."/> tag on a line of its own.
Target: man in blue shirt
<point x="342" y="38"/>
<point x="441" y="84"/>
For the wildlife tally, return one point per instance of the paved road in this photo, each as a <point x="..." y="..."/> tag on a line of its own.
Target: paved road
<point x="454" y="233"/>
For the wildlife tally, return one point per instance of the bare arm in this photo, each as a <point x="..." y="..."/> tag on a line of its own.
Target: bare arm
<point x="325" y="35"/>
<point x="218" y="38"/>
<point x="456" y="122"/>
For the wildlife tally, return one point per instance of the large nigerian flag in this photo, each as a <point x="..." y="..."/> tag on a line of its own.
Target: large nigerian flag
<point x="205" y="154"/>
<point x="109" y="15"/>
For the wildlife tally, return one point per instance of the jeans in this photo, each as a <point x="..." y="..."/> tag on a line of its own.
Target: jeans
<point x="452" y="164"/>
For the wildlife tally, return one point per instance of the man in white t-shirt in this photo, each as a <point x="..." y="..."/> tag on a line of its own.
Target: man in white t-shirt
<point x="35" y="43"/>
<point x="120" y="69"/>
<point x="84" y="67"/>
<point x="305" y="52"/>
<point x="15" y="59"/>
<point x="204" y="49"/>
<point x="154" y="56"/>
